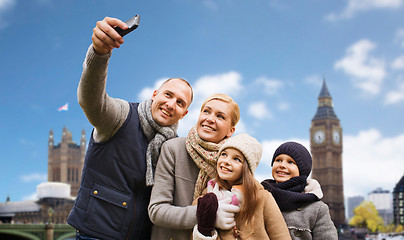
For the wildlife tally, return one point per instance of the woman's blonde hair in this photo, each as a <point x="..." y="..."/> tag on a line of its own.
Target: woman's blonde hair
<point x="235" y="110"/>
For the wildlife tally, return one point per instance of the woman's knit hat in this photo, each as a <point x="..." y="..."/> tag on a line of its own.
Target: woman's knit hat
<point x="248" y="146"/>
<point x="299" y="153"/>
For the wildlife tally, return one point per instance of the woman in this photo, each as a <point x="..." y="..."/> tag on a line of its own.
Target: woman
<point x="186" y="165"/>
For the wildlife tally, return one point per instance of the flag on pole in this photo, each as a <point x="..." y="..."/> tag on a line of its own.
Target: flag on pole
<point x="64" y="107"/>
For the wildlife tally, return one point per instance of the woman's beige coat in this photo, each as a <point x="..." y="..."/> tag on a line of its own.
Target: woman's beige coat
<point x="170" y="204"/>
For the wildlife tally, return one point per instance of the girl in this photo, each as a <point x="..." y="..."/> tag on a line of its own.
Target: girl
<point x="186" y="165"/>
<point x="260" y="217"/>
<point x="298" y="197"/>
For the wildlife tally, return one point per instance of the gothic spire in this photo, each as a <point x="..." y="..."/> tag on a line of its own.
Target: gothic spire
<point x="325" y="107"/>
<point x="324" y="91"/>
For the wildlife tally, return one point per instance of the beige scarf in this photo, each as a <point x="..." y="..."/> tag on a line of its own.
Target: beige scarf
<point x="204" y="155"/>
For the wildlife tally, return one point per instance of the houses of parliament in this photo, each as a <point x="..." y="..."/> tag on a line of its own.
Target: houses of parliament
<point x="66" y="160"/>
<point x="55" y="197"/>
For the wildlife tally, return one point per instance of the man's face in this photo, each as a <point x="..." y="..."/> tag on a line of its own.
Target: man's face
<point x="170" y="102"/>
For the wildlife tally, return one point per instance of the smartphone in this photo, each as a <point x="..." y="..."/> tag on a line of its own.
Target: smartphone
<point x="132" y="23"/>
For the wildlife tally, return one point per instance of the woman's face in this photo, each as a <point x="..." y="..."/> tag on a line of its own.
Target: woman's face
<point x="214" y="122"/>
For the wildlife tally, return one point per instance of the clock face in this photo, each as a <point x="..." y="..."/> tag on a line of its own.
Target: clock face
<point x="319" y="136"/>
<point x="336" y="137"/>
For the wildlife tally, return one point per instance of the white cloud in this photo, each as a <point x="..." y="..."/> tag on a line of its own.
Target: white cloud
<point x="367" y="71"/>
<point x="261" y="177"/>
<point x="34" y="177"/>
<point x="241" y="127"/>
<point x="227" y="83"/>
<point x="395" y="96"/>
<point x="355" y="6"/>
<point x="398" y="63"/>
<point x="31" y="197"/>
<point x="369" y="161"/>
<point x="186" y="123"/>
<point x="399" y="38"/>
<point x="283" y="106"/>
<point x="271" y="86"/>
<point x="6" y="4"/>
<point x="147" y="92"/>
<point x="259" y="110"/>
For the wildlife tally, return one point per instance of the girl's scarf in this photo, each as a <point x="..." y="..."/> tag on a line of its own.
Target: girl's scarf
<point x="236" y="192"/>
<point x="289" y="195"/>
<point x="156" y="135"/>
<point x="204" y="155"/>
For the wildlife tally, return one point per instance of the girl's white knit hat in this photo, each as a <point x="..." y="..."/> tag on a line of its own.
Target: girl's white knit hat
<point x="248" y="146"/>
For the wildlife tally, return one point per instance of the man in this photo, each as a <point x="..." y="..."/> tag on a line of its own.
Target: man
<point x="124" y="146"/>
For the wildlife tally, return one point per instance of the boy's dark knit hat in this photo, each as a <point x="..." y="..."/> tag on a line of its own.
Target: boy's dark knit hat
<point x="299" y="153"/>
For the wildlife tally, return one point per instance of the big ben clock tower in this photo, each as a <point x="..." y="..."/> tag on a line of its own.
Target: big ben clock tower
<point x="326" y="150"/>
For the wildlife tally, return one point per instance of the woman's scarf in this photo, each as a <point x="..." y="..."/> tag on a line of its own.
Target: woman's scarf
<point x="156" y="135"/>
<point x="204" y="155"/>
<point x="289" y="195"/>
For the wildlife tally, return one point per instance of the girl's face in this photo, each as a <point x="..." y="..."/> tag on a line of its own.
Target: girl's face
<point x="230" y="165"/>
<point x="214" y="122"/>
<point x="284" y="168"/>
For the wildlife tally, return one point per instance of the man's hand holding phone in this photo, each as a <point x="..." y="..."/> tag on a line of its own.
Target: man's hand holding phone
<point x="105" y="34"/>
<point x="132" y="24"/>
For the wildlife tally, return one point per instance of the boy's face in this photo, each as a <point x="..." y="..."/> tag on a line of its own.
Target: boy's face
<point x="284" y="168"/>
<point x="230" y="165"/>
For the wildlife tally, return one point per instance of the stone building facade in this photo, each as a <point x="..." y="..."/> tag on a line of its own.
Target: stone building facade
<point x="66" y="160"/>
<point x="53" y="206"/>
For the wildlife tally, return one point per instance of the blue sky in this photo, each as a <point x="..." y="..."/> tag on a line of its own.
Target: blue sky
<point x="269" y="55"/>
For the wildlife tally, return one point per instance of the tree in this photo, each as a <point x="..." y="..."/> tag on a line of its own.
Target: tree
<point x="366" y="216"/>
<point x="400" y="228"/>
<point x="389" y="228"/>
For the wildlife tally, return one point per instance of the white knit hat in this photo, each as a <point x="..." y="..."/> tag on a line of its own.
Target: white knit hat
<point x="248" y="146"/>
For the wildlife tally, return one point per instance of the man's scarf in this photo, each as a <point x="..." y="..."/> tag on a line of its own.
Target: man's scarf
<point x="289" y="195"/>
<point x="204" y="155"/>
<point x="156" y="135"/>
